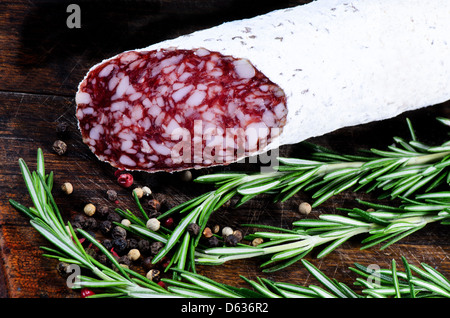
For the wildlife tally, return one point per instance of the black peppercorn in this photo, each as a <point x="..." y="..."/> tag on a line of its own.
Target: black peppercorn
<point x="124" y="260"/>
<point x="62" y="128"/>
<point x="63" y="269"/>
<point x="90" y="251"/>
<point x="153" y="214"/>
<point x="155" y="247"/>
<point x="105" y="227"/>
<point x="213" y="241"/>
<point x="120" y="245"/>
<point x="118" y="232"/>
<point x="112" y="195"/>
<point x="103" y="211"/>
<point x="103" y="259"/>
<point x="59" y="147"/>
<point x="107" y="243"/>
<point x="144" y="246"/>
<point x="193" y="229"/>
<point x="132" y="243"/>
<point x="79" y="220"/>
<point x="231" y="240"/>
<point x="147" y="263"/>
<point x="91" y="224"/>
<point x="114" y="217"/>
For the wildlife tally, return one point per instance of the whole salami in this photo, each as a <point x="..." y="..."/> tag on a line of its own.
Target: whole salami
<point x="244" y="87"/>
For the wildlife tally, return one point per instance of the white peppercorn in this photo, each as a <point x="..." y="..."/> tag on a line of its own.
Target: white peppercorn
<point x="227" y="231"/>
<point x="256" y="241"/>
<point x="89" y="209"/>
<point x="146" y="191"/>
<point x="153" y="224"/>
<point x="134" y="254"/>
<point x="138" y="192"/>
<point x="67" y="188"/>
<point x="304" y="208"/>
<point x="125" y="222"/>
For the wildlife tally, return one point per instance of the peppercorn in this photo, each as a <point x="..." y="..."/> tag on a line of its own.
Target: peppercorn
<point x="120" y="245"/>
<point x="91" y="223"/>
<point x="112" y="195"/>
<point x="125" y="259"/>
<point x="102" y="258"/>
<point x="78" y="221"/>
<point x="125" y="222"/>
<point x="155" y="247"/>
<point x="138" y="192"/>
<point x="107" y="243"/>
<point x="153" y="274"/>
<point x="256" y="241"/>
<point x="134" y="254"/>
<point x="102" y="211"/>
<point x="193" y="229"/>
<point x="67" y="188"/>
<point x="125" y="180"/>
<point x="144" y="246"/>
<point x="147" y="263"/>
<point x="207" y="232"/>
<point x="213" y="241"/>
<point x="89" y="209"/>
<point x="227" y="231"/>
<point x="105" y="227"/>
<point x="85" y="292"/>
<point x="153" y="224"/>
<point x="63" y="269"/>
<point x="304" y="208"/>
<point x="59" y="147"/>
<point x="118" y="232"/>
<point x="186" y="176"/>
<point x="146" y="191"/>
<point x="114" y="217"/>
<point x="238" y="235"/>
<point x="92" y="252"/>
<point x="216" y="229"/>
<point x="61" y="128"/>
<point x="154" y="204"/>
<point x="168" y="223"/>
<point x="231" y="240"/>
<point x="132" y="243"/>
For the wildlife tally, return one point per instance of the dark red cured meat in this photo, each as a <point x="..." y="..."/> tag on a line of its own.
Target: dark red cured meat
<point x="177" y="109"/>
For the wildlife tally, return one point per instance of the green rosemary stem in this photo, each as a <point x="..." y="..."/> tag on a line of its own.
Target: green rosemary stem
<point x="124" y="282"/>
<point x="386" y="225"/>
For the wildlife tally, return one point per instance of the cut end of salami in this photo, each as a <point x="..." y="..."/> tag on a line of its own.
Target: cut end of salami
<point x="173" y="109"/>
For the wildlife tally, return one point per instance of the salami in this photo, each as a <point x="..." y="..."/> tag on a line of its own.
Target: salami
<point x="244" y="87"/>
<point x="177" y="108"/>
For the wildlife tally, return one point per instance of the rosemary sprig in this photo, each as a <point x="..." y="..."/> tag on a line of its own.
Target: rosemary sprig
<point x="384" y="224"/>
<point x="401" y="171"/>
<point x="122" y="282"/>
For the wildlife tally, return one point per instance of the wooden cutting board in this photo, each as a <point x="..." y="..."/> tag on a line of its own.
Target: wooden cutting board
<point x="41" y="64"/>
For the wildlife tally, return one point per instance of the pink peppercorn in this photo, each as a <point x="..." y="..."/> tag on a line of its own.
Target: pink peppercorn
<point x="125" y="180"/>
<point x="85" y="292"/>
<point x="168" y="222"/>
<point x="162" y="284"/>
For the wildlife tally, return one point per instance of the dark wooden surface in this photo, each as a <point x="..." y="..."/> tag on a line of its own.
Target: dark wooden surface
<point x="41" y="64"/>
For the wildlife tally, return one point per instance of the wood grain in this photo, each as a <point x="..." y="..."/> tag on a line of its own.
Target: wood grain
<point x="41" y="63"/>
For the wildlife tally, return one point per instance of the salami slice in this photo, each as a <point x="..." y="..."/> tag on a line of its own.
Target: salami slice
<point x="244" y="87"/>
<point x="177" y="108"/>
